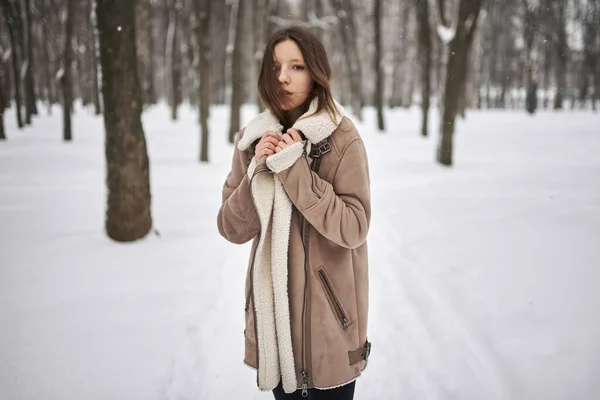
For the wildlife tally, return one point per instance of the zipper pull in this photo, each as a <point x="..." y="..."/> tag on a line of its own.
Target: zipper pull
<point x="304" y="384"/>
<point x="345" y="323"/>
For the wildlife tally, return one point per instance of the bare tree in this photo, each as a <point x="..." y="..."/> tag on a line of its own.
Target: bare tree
<point x="531" y="15"/>
<point x="203" y="39"/>
<point x="273" y="11"/>
<point x="128" y="215"/>
<point x="401" y="62"/>
<point x="259" y="10"/>
<point x="91" y="17"/>
<point x="13" y="23"/>
<point x="377" y="62"/>
<point x="149" y="87"/>
<point x="220" y="27"/>
<point x="46" y="65"/>
<point x="237" y="83"/>
<point x="591" y="48"/>
<point x="28" y="79"/>
<point x="65" y="76"/>
<point x="464" y="26"/>
<point x="425" y="61"/>
<point x="2" y="97"/>
<point x="143" y="34"/>
<point x="561" y="49"/>
<point x="345" y="14"/>
<point x="173" y="57"/>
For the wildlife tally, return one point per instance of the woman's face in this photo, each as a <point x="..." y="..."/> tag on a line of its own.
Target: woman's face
<point x="292" y="74"/>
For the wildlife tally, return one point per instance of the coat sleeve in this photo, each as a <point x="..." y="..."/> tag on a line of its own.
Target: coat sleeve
<point x="341" y="210"/>
<point x="237" y="220"/>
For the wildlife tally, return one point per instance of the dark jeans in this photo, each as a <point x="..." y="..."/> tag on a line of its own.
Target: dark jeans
<point x="345" y="392"/>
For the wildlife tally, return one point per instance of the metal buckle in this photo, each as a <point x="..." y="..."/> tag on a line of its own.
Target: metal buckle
<point x="321" y="150"/>
<point x="367" y="350"/>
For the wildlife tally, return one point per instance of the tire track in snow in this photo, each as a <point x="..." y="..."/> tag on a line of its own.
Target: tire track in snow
<point x="403" y="344"/>
<point x="421" y="290"/>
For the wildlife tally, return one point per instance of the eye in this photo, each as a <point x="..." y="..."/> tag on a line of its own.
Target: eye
<point x="299" y="67"/>
<point x="275" y="68"/>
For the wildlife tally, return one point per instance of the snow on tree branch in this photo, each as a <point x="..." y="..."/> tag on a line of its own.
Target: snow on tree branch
<point x="445" y="33"/>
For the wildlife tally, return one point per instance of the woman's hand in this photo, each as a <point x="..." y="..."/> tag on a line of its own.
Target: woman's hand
<point x="267" y="145"/>
<point x="288" y="139"/>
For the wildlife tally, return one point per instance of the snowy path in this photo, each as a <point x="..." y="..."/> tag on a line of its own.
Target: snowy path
<point x="483" y="278"/>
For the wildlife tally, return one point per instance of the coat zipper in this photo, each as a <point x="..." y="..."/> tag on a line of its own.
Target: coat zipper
<point x="305" y="311"/>
<point x="252" y="279"/>
<point x="337" y="306"/>
<point x="306" y="350"/>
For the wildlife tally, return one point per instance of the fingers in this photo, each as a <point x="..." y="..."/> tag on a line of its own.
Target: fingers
<point x="295" y="134"/>
<point x="271" y="134"/>
<point x="287" y="139"/>
<point x="272" y="142"/>
<point x="267" y="145"/>
<point x="264" y="153"/>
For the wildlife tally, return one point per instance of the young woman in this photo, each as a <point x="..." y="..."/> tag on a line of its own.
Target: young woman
<point x="299" y="187"/>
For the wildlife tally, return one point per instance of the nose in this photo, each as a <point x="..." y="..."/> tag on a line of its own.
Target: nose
<point x="283" y="76"/>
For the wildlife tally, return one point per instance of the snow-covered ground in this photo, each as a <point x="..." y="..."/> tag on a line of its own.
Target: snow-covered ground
<point x="484" y="277"/>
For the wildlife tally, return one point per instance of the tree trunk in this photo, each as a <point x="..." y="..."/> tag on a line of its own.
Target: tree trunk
<point x="317" y="8"/>
<point x="30" y="101"/>
<point x="94" y="60"/>
<point x="495" y="17"/>
<point x="150" y="96"/>
<point x="273" y="10"/>
<point x="144" y="56"/>
<point x="65" y="79"/>
<point x="191" y="78"/>
<point x="46" y="48"/>
<point x="561" y="54"/>
<point x="345" y="13"/>
<point x="174" y="63"/>
<point x="237" y="82"/>
<point x="84" y="63"/>
<point x="128" y="215"/>
<point x="259" y="9"/>
<point x="304" y="9"/>
<point x="547" y="66"/>
<point x="12" y="23"/>
<point x="425" y="61"/>
<point x="467" y="62"/>
<point x="220" y="27"/>
<point x="2" y="99"/>
<point x="203" y="40"/>
<point x="456" y="75"/>
<point x="530" y="23"/>
<point x="400" y="60"/>
<point x="378" y="72"/>
<point x="46" y="65"/>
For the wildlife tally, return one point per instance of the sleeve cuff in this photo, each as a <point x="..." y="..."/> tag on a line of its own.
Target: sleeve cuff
<point x="285" y="158"/>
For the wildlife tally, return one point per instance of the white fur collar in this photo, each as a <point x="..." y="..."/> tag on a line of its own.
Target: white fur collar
<point x="315" y="127"/>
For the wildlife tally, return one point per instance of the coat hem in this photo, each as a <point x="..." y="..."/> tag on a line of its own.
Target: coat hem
<point x="316" y="387"/>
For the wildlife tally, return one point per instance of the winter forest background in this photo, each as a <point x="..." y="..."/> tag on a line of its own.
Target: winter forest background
<point x="117" y="120"/>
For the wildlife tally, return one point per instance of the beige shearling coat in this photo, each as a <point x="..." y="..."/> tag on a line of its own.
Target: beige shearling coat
<point x="307" y="210"/>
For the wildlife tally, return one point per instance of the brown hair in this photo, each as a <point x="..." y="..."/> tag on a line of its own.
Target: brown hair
<point x="315" y="58"/>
